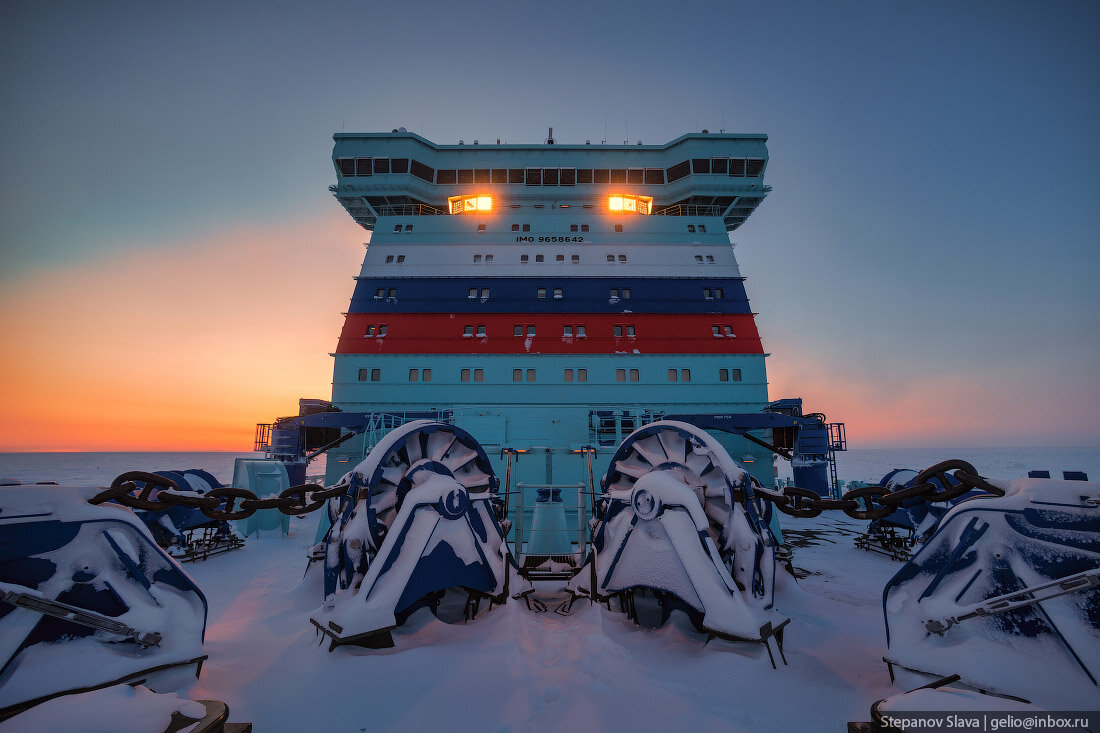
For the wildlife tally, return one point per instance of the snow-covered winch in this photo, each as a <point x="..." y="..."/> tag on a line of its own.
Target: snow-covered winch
<point x="419" y="519"/>
<point x="1006" y="594"/>
<point x="88" y="599"/>
<point x="679" y="527"/>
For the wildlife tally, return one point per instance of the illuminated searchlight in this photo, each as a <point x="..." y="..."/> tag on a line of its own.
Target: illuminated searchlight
<point x="470" y="204"/>
<point x="627" y="204"/>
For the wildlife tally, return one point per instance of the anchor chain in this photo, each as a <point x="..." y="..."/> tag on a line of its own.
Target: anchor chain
<point x="226" y="503"/>
<point x="876" y="502"/>
<point x="231" y="503"/>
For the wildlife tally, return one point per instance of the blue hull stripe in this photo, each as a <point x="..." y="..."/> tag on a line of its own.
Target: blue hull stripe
<point x="521" y="295"/>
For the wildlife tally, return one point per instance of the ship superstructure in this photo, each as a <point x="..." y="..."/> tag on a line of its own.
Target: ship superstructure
<point x="550" y="296"/>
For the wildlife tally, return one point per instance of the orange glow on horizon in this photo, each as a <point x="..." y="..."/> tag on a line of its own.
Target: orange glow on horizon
<point x="175" y="346"/>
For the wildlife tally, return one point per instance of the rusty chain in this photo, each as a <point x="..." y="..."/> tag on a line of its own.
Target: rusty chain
<point x="876" y="502"/>
<point x="864" y="502"/>
<point x="217" y="503"/>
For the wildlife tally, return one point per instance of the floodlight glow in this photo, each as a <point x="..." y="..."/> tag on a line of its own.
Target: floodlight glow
<point x="467" y="204"/>
<point x="620" y="203"/>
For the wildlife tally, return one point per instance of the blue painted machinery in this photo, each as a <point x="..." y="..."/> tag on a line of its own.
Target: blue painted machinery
<point x="913" y="521"/>
<point x="88" y="599"/>
<point x="1006" y="594"/>
<point x="678" y="528"/>
<point x="185" y="532"/>
<point x="419" y="522"/>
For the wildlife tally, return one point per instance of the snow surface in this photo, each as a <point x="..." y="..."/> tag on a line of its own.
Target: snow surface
<point x="513" y="669"/>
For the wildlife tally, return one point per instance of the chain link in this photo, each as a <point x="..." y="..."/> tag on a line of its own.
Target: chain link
<point x="876" y="502"/>
<point x="864" y="502"/>
<point x="134" y="489"/>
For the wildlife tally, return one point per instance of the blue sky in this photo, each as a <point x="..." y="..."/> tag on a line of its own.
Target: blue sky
<point x="929" y="248"/>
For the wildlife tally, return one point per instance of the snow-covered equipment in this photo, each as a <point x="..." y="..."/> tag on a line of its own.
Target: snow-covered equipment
<point x="1006" y="594"/>
<point x="184" y="531"/>
<point x="419" y="518"/>
<point x="88" y="599"/>
<point x="914" y="519"/>
<point x="679" y="526"/>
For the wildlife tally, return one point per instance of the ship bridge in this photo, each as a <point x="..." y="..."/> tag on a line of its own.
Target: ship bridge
<point x="400" y="174"/>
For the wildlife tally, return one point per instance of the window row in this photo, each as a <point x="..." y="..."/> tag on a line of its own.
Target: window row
<point x="569" y="330"/>
<point x="557" y="293"/>
<point x="395" y="258"/>
<point x="735" y="167"/>
<point x="397" y="228"/>
<point x="709" y="259"/>
<point x="692" y="228"/>
<point x="568" y="375"/>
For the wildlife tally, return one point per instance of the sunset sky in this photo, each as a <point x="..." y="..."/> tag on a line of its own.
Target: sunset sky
<point x="173" y="267"/>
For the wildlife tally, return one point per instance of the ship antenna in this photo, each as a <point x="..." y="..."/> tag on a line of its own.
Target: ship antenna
<point x="550" y="137"/>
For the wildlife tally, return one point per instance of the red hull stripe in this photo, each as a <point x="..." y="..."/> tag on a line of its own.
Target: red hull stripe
<point x="443" y="333"/>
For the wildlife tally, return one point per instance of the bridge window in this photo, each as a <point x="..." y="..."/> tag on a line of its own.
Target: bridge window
<point x="446" y="176"/>
<point x="549" y="176"/>
<point x="567" y="177"/>
<point x="719" y="165"/>
<point x="533" y="177"/>
<point x="618" y="175"/>
<point x="700" y="165"/>
<point x="654" y="175"/>
<point x="362" y="166"/>
<point x="423" y="172"/>
<point x="499" y="175"/>
<point x="466" y="175"/>
<point x="678" y="171"/>
<point x="601" y="175"/>
<point x="345" y="166"/>
<point x="754" y="167"/>
<point x="635" y="175"/>
<point x="381" y="165"/>
<point x="399" y="165"/>
<point x="737" y="167"/>
<point x="584" y="175"/>
<point x="515" y="175"/>
<point x="482" y="175"/>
